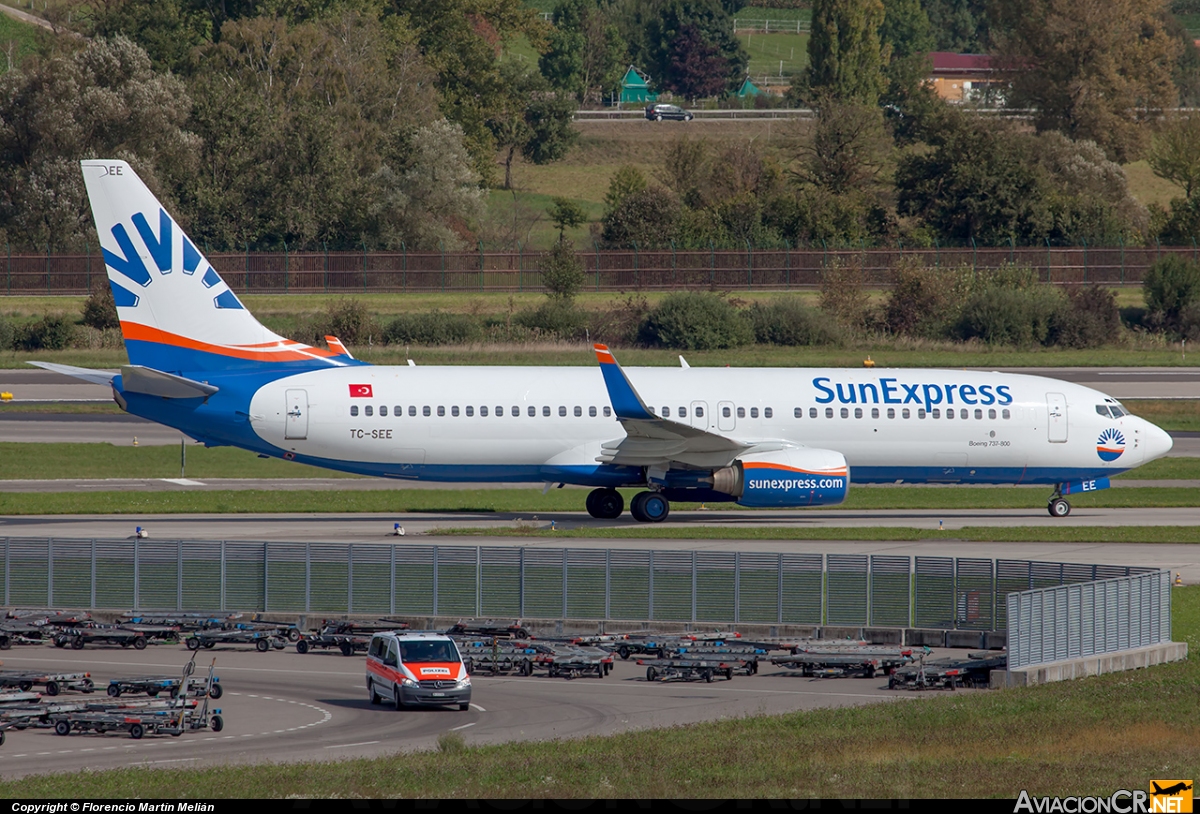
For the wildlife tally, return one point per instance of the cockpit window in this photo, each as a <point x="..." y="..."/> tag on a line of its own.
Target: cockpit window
<point x="1102" y="409"/>
<point x="1117" y="412"/>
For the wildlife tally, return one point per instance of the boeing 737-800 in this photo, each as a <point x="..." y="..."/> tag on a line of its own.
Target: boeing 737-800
<point x="199" y="362"/>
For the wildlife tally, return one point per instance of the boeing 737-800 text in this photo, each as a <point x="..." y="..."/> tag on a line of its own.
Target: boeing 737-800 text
<point x="199" y="362"/>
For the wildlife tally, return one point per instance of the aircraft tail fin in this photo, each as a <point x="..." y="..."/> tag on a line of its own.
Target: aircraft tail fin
<point x="177" y="313"/>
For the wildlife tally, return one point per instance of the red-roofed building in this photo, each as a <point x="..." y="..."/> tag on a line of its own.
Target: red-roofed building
<point x="962" y="77"/>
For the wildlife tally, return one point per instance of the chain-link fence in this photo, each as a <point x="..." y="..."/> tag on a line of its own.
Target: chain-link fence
<point x="559" y="583"/>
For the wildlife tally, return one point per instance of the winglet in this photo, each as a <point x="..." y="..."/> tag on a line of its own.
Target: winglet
<point x="625" y="400"/>
<point x="337" y="347"/>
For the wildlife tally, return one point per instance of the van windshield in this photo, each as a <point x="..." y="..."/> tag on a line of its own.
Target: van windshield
<point x="418" y="652"/>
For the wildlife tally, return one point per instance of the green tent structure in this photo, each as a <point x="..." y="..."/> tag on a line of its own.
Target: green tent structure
<point x="748" y="88"/>
<point x="635" y="88"/>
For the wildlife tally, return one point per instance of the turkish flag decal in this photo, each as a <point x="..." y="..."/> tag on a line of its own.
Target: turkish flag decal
<point x="360" y="391"/>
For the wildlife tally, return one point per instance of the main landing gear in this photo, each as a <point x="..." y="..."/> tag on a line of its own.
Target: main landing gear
<point x="1058" y="506"/>
<point x="647" y="507"/>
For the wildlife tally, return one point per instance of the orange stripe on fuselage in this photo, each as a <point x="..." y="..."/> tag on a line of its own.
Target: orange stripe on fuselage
<point x="284" y="352"/>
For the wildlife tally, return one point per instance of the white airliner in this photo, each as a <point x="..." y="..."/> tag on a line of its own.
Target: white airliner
<point x="199" y="362"/>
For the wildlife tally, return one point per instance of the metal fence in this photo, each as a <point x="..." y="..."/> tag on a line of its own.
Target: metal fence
<point x="1073" y="621"/>
<point x="432" y="580"/>
<point x="748" y="267"/>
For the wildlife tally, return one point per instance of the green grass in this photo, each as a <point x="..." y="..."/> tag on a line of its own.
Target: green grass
<point x="532" y="500"/>
<point x="768" y="51"/>
<point x="972" y="534"/>
<point x="1084" y="737"/>
<point x="24" y="38"/>
<point x="20" y="461"/>
<point x="1177" y="415"/>
<point x="523" y="215"/>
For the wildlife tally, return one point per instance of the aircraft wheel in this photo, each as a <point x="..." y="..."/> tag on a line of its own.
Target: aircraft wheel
<point x="605" y="504"/>
<point x="650" y="507"/>
<point x="1059" y="508"/>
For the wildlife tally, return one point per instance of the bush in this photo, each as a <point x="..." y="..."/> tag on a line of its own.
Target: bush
<point x="924" y="301"/>
<point x="1091" y="320"/>
<point x="51" y="332"/>
<point x="100" y="312"/>
<point x="349" y="321"/>
<point x="843" y="296"/>
<point x="562" y="271"/>
<point x="694" y="321"/>
<point x="1171" y="284"/>
<point x="787" y="322"/>
<point x="7" y="334"/>
<point x="554" y="318"/>
<point x="432" y="328"/>
<point x="1011" y="316"/>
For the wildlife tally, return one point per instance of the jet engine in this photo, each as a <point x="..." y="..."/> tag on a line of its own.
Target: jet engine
<point x="798" y="476"/>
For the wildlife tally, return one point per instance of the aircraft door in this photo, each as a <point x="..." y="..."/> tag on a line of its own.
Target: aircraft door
<point x="296" y="427"/>
<point x="725" y="416"/>
<point x="700" y="416"/>
<point x="1056" y="408"/>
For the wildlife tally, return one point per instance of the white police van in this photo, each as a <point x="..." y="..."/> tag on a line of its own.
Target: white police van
<point x="416" y="668"/>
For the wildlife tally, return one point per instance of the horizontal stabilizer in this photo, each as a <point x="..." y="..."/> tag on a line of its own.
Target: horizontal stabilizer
<point x="86" y="374"/>
<point x="151" y="382"/>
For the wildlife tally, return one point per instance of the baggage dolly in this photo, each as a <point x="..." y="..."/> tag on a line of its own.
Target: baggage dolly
<point x="683" y="669"/>
<point x="80" y="637"/>
<point x="53" y="683"/>
<point x="262" y="641"/>
<point x="570" y="662"/>
<point x="153" y="685"/>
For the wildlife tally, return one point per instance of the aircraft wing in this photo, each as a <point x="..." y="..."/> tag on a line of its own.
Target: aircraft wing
<point x="654" y="441"/>
<point x="86" y="374"/>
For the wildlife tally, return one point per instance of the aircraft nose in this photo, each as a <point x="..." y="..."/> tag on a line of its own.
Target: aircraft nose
<point x="1158" y="442"/>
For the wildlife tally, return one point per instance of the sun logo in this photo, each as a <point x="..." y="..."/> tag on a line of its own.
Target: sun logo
<point x="1110" y="445"/>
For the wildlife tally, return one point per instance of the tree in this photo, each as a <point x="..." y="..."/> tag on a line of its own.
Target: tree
<point x="845" y="56"/>
<point x="849" y="148"/>
<point x="625" y="181"/>
<point x="1175" y="153"/>
<point x="960" y="26"/>
<point x="533" y="119"/>
<point x="719" y="62"/>
<point x="1092" y="69"/>
<point x="566" y="214"/>
<point x="697" y="67"/>
<point x="101" y="99"/>
<point x="585" y="53"/>
<point x="562" y="272"/>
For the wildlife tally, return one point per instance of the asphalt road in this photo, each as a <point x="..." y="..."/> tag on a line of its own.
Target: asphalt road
<point x="283" y="707"/>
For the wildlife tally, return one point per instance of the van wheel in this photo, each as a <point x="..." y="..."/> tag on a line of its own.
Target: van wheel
<point x="374" y="696"/>
<point x="399" y="701"/>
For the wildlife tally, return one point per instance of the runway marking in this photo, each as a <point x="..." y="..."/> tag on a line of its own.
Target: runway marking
<point x="182" y="481"/>
<point x="481" y="709"/>
<point x="348" y="745"/>
<point x="174" y="760"/>
<point x="464" y="726"/>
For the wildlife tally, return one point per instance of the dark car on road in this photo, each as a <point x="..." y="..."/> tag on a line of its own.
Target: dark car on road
<point x="659" y="112"/>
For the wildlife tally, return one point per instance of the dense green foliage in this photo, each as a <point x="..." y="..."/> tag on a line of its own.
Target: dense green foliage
<point x="696" y="321"/>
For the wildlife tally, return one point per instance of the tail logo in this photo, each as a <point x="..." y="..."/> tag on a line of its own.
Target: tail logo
<point x="1110" y="445"/>
<point x="131" y="265"/>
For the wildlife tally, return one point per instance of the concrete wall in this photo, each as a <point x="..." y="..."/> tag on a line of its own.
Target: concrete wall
<point x="1090" y="665"/>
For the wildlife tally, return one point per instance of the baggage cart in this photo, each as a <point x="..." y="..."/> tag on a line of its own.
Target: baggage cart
<point x="685" y="669"/>
<point x="52" y="683"/>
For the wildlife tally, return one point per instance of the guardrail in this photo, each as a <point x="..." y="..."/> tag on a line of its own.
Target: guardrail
<point x="772" y="26"/>
<point x="1075" y="621"/>
<point x="634" y="268"/>
<point x="434" y="580"/>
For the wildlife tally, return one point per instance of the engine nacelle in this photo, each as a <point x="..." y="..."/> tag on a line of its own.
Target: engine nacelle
<point x="789" y="477"/>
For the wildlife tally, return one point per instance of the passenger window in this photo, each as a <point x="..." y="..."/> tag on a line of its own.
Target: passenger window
<point x="904" y="413"/>
<point x="578" y="412"/>
<point x="963" y="414"/>
<point x="949" y="413"/>
<point x="682" y="412"/>
<point x="608" y="412"/>
<point x="470" y="412"/>
<point x="935" y="413"/>
<point x="741" y="412"/>
<point x="425" y="411"/>
<point x="562" y="412"/>
<point x="798" y="412"/>
<point x="377" y="648"/>
<point x="725" y="412"/>
<point x="397" y="411"/>
<point x="979" y="414"/>
<point x="666" y="413"/>
<point x="483" y="411"/>
<point x="991" y="413"/>
<point x="829" y="412"/>
<point x="454" y="412"/>
<point x="516" y="411"/>
<point x="845" y="412"/>
<point x="812" y="412"/>
<point x="768" y="412"/>
<point x="441" y="410"/>
<point x="367" y="410"/>
<point x="353" y="409"/>
<point x="383" y="411"/>
<point x="891" y="412"/>
<point x="392" y="658"/>
<point x="499" y="411"/>
<point x="858" y="412"/>
<point x="874" y="412"/>
<point x="532" y="411"/>
<point x="546" y="411"/>
<point x="592" y="412"/>
<point x="754" y="412"/>
<point x="1005" y="414"/>
<point x="412" y="409"/>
